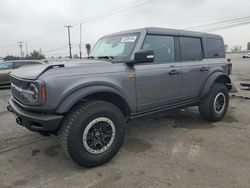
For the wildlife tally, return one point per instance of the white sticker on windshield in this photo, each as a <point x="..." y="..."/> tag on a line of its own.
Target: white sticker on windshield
<point x="128" y="39"/>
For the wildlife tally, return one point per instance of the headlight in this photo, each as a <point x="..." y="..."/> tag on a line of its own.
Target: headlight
<point x="31" y="94"/>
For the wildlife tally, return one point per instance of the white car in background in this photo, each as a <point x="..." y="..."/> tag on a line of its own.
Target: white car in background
<point x="246" y="55"/>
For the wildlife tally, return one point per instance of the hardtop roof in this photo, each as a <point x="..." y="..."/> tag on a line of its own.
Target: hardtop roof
<point x="167" y="31"/>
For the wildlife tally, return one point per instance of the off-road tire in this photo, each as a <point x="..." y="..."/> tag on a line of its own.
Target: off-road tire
<point x="74" y="124"/>
<point x="206" y="106"/>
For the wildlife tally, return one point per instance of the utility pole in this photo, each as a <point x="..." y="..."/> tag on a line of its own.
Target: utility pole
<point x="20" y="44"/>
<point x="80" y="45"/>
<point x="26" y="46"/>
<point x="69" y="26"/>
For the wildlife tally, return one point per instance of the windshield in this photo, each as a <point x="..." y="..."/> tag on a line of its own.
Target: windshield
<point x="118" y="46"/>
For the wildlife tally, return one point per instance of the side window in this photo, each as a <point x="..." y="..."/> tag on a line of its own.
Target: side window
<point x="215" y="48"/>
<point x="34" y="62"/>
<point x="163" y="47"/>
<point x="191" y="48"/>
<point x="6" y="66"/>
<point x="20" y="64"/>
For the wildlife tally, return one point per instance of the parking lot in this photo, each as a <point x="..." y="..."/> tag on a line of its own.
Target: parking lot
<point x="175" y="149"/>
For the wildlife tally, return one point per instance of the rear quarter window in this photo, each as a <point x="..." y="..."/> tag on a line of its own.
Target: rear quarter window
<point x="215" y="48"/>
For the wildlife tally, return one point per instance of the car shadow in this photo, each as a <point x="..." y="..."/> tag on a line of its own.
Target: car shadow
<point x="185" y="118"/>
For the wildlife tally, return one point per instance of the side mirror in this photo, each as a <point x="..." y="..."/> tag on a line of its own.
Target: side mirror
<point x="144" y="56"/>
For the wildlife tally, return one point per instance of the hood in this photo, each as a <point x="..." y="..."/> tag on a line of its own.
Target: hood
<point x="33" y="72"/>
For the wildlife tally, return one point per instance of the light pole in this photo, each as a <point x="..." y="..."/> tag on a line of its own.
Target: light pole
<point x="68" y="27"/>
<point x="80" y="45"/>
<point x="20" y="44"/>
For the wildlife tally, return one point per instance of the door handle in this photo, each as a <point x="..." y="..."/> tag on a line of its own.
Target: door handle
<point x="203" y="69"/>
<point x="174" y="72"/>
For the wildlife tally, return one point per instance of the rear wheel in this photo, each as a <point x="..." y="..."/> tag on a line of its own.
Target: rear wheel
<point x="92" y="133"/>
<point x="215" y="105"/>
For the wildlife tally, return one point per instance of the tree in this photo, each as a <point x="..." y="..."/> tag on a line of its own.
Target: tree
<point x="248" y="46"/>
<point x="236" y="48"/>
<point x="10" y="57"/>
<point x="36" y="55"/>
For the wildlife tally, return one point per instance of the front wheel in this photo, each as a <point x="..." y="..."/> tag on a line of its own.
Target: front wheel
<point x="215" y="105"/>
<point x="92" y="133"/>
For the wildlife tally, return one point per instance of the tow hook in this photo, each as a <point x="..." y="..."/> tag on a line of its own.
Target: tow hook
<point x="9" y="109"/>
<point x="19" y="121"/>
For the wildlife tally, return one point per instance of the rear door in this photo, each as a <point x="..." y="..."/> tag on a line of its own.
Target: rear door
<point x="5" y="69"/>
<point x="195" y="69"/>
<point x="158" y="84"/>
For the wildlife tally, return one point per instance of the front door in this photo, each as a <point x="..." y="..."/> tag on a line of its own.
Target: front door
<point x="158" y="84"/>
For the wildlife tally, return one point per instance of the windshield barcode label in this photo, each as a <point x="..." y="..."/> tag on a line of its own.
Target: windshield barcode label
<point x="128" y="39"/>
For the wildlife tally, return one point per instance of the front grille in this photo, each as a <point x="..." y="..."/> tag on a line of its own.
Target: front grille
<point x="16" y="86"/>
<point x="16" y="82"/>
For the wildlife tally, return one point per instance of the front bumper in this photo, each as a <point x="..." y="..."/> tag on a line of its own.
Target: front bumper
<point x="35" y="121"/>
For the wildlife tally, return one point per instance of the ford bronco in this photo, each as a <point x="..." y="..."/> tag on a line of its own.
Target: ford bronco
<point x="129" y="74"/>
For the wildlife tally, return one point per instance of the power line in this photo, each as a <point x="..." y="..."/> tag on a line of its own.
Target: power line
<point x="55" y="49"/>
<point x="10" y="45"/>
<point x="220" y="22"/>
<point x="98" y="16"/>
<point x="227" y="26"/>
<point x="34" y="38"/>
<point x="216" y="26"/>
<point x="117" y="10"/>
<point x="93" y="18"/>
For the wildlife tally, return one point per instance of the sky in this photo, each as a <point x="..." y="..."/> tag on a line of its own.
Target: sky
<point x="40" y="23"/>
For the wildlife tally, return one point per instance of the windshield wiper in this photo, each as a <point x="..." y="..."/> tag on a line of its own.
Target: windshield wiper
<point x="105" y="57"/>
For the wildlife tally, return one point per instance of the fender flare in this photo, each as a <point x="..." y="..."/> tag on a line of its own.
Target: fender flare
<point x="212" y="79"/>
<point x="69" y="101"/>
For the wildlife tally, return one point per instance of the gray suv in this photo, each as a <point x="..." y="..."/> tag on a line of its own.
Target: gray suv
<point x="128" y="75"/>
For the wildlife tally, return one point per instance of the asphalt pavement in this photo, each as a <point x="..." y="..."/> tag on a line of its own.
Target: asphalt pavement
<point x="176" y="149"/>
